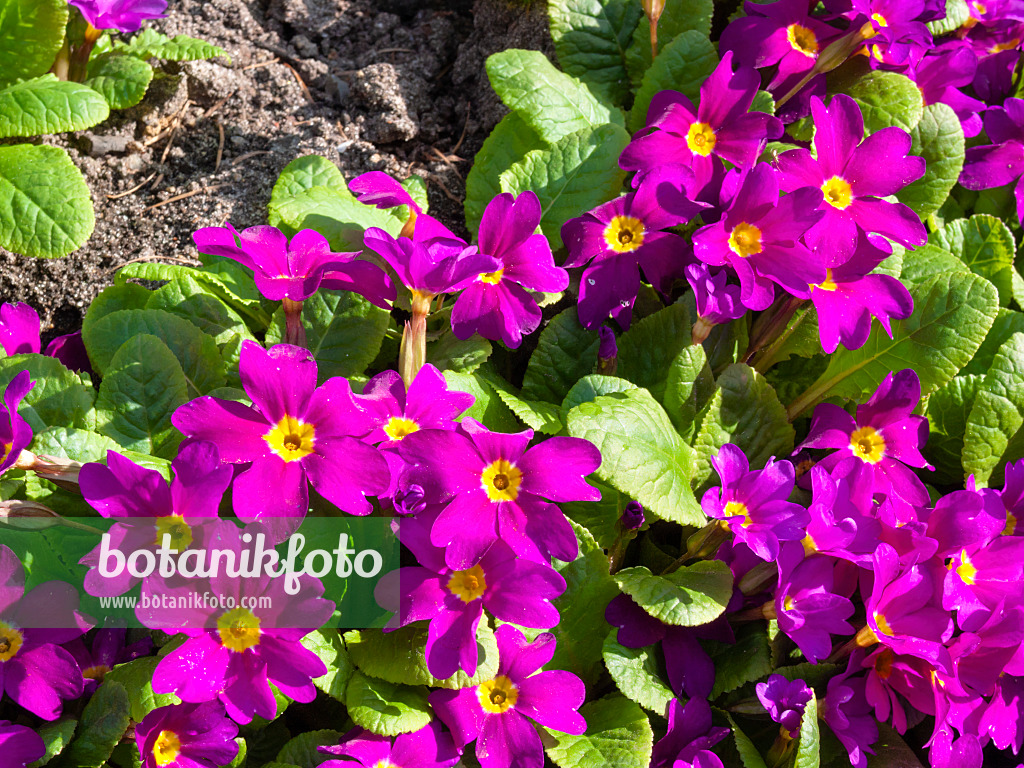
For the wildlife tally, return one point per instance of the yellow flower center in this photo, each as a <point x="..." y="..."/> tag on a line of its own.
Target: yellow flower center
<point x="787" y="603"/>
<point x="828" y="284"/>
<point x="501" y="480"/>
<point x="1011" y="524"/>
<point x="5" y="451"/>
<point x="838" y="192"/>
<point x="399" y="426"/>
<point x="95" y="673"/>
<point x="981" y="8"/>
<point x="802" y="39"/>
<point x="175" y="527"/>
<point x="745" y="240"/>
<point x="468" y="585"/>
<point x="810" y="545"/>
<point x="1007" y="46"/>
<point x="624" y="233"/>
<point x="883" y="664"/>
<point x="738" y="509"/>
<point x="497" y="695"/>
<point x="166" y="748"/>
<point x="491" y="278"/>
<point x="867" y="445"/>
<point x="967" y="571"/>
<point x="239" y="629"/>
<point x="291" y="439"/>
<point x="10" y="641"/>
<point x="701" y="139"/>
<point x="883" y="625"/>
<point x="385" y="763"/>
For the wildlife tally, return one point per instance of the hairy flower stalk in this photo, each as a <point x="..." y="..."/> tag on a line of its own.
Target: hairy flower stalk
<point x="413" y="353"/>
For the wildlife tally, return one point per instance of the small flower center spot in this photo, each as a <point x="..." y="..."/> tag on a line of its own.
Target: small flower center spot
<point x="745" y="240"/>
<point x="624" y="234"/>
<point x="501" y="480"/>
<point x="701" y="139"/>
<point x="10" y="641"/>
<point x="166" y="748"/>
<point x="802" y="39"/>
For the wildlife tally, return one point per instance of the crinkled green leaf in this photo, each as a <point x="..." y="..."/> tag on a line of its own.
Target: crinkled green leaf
<point x="641" y="453"/>
<point x="957" y="14"/>
<point x="304" y="173"/>
<point x="122" y="80"/>
<point x="343" y="331"/>
<point x="687" y="597"/>
<point x="302" y="750"/>
<point x="137" y="678"/>
<point x="618" y="735"/>
<point x="565" y="353"/>
<point x="536" y="414"/>
<point x="749" y="754"/>
<point x="591" y="38"/>
<point x="336" y="215"/>
<point x="809" y="741"/>
<point x="739" y="663"/>
<point x="591" y="387"/>
<point x="386" y="708"/>
<point x="449" y="353"/>
<point x="638" y="673"/>
<point x="939" y="139"/>
<point x="885" y="98"/>
<point x="150" y="44"/>
<point x="489" y="409"/>
<point x="689" y="386"/>
<point x="682" y="65"/>
<point x="678" y="16"/>
<point x="74" y="444"/>
<point x="926" y="262"/>
<point x="508" y="143"/>
<point x="114" y="298"/>
<point x="992" y="434"/>
<point x="47" y="105"/>
<point x="952" y="313"/>
<point x="45" y="208"/>
<point x="600" y="518"/>
<point x="59" y="398"/>
<point x="33" y="32"/>
<point x="103" y="723"/>
<point x="648" y="349"/>
<point x="578" y="172"/>
<point x="746" y="412"/>
<point x="1007" y="323"/>
<point x="986" y="246"/>
<point x="142" y="388"/>
<point x="328" y="645"/>
<point x="56" y="736"/>
<point x="948" y="410"/>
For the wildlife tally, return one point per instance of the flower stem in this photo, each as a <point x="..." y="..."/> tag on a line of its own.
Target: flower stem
<point x="413" y="354"/>
<point x="294" y="333"/>
<point x="836" y="53"/>
<point x="772" y="327"/>
<point x="79" y="64"/>
<point x="703" y="544"/>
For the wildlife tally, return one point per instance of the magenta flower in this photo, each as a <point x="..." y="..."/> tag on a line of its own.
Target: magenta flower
<point x="941" y="74"/>
<point x="495" y="712"/>
<point x="146" y="507"/>
<point x="107" y="649"/>
<point x="381" y="191"/>
<point x="1002" y="161"/>
<point x="846" y="710"/>
<point x="885" y="437"/>
<point x="34" y="670"/>
<point x="807" y="606"/>
<point x="850" y="296"/>
<point x="895" y="29"/>
<point x="296" y="269"/>
<point x="1001" y="718"/>
<point x="122" y="15"/>
<point x="759" y="237"/>
<point x="15" y="433"/>
<point x="20" y="745"/>
<point x="187" y="736"/>
<point x="616" y="239"/>
<point x="497" y="305"/>
<point x="429" y="747"/>
<point x="293" y="432"/>
<point x="853" y="175"/>
<point x="842" y="525"/>
<point x="893" y="678"/>
<point x="19" y="329"/>
<point x="720" y="126"/>
<point x="690" y="737"/>
<point x="510" y="588"/>
<point x="1012" y="496"/>
<point x="495" y="487"/>
<point x="784" y="700"/>
<point x="753" y="504"/>
<point x="984" y="579"/>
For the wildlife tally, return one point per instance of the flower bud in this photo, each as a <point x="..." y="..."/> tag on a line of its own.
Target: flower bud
<point x="632" y="516"/>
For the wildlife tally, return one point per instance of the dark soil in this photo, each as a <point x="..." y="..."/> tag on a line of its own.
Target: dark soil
<point x="391" y="85"/>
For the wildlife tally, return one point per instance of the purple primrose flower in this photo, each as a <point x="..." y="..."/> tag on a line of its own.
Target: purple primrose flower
<point x="20" y="745"/>
<point x="187" y="736"/>
<point x="107" y="649"/>
<point x="1002" y="161"/>
<point x="19" y="334"/>
<point x="381" y="191"/>
<point x="690" y="737"/>
<point x="785" y="701"/>
<point x="15" y="433"/>
<point x="122" y="15"/>
<point x="429" y="747"/>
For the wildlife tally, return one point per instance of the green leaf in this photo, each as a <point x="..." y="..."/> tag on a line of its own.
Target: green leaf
<point x="749" y="754"/>
<point x="957" y="14"/>
<point x="618" y="736"/>
<point x="508" y="143"/>
<point x="591" y="387"/>
<point x="48" y="105"/>
<point x="952" y="313"/>
<point x="122" y="80"/>
<point x="600" y="518"/>
<point x="581" y="630"/>
<point x="926" y="262"/>
<point x="536" y="414"/>
<point x="449" y="353"/>
<point x="885" y="98"/>
<point x="398" y="656"/>
<point x="992" y="434"/>
<point x="641" y="453"/>
<point x="103" y="723"/>
<point x="114" y="298"/>
<point x="386" y="708"/>
<point x="638" y="674"/>
<point x="33" y="33"/>
<point x="196" y="352"/>
<point x="304" y="173"/>
<point x="565" y="353"/>
<point x="337" y="216"/>
<point x="948" y="410"/>
<point x="489" y="409"/>
<point x="137" y="678"/>
<point x="343" y="331"/>
<point x="74" y="444"/>
<point x="648" y="349"/>
<point x="591" y="38"/>
<point x="328" y="645"/>
<point x="143" y="387"/>
<point x="678" y="16"/>
<point x="683" y="65"/>
<point x="578" y="172"/>
<point x="746" y="412"/>
<point x="687" y="597"/>
<point x="55" y="736"/>
<point x="939" y="139"/>
<point x="809" y="740"/>
<point x="689" y="386"/>
<point x="986" y="246"/>
<point x="302" y="750"/>
<point x="551" y="102"/>
<point x="150" y="44"/>
<point x="59" y="398"/>
<point x="45" y="208"/>
<point x="746" y="660"/>
<point x="1007" y="323"/>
